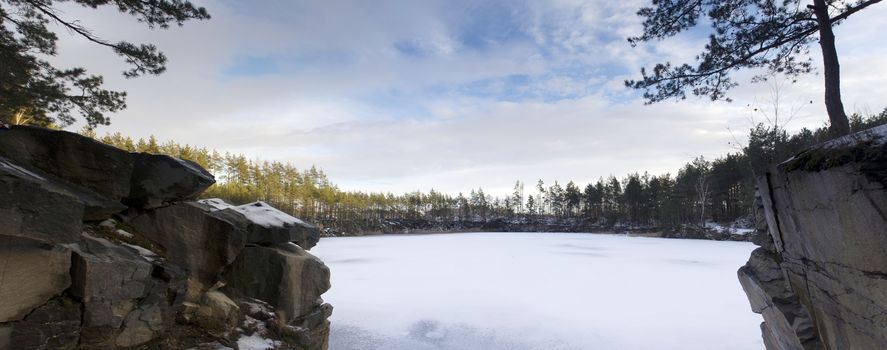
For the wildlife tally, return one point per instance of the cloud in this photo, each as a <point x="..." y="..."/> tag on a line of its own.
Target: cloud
<point x="398" y="95"/>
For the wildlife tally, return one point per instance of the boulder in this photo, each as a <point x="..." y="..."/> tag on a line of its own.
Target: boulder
<point x="309" y="332"/>
<point x="108" y="279"/>
<point x="267" y="225"/>
<point x="316" y="327"/>
<point x="127" y="300"/>
<point x="161" y="179"/>
<point x="200" y="241"/>
<point x="285" y="276"/>
<point x="217" y="313"/>
<point x="142" y="325"/>
<point x="156" y="312"/>
<point x="54" y="325"/>
<point x="32" y="207"/>
<point x="79" y="160"/>
<point x="31" y="273"/>
<point x="787" y="325"/>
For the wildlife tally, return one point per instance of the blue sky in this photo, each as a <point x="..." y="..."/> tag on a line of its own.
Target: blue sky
<point x="401" y="95"/>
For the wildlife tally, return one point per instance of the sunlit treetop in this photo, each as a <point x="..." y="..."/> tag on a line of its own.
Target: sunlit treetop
<point x="32" y="91"/>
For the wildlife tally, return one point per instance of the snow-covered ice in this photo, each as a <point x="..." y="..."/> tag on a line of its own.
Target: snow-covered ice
<point x="548" y="291"/>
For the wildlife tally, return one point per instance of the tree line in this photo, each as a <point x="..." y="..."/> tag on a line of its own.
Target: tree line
<point x="640" y="199"/>
<point x="719" y="190"/>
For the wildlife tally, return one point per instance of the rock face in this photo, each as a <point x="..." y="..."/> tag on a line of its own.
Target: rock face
<point x="31" y="273"/>
<point x="79" y="160"/>
<point x="35" y="208"/>
<point x="266" y="225"/>
<point x="54" y="325"/>
<point x="194" y="238"/>
<point x="118" y="288"/>
<point x="159" y="179"/>
<point x="103" y="249"/>
<point x="285" y="276"/>
<point x="820" y="281"/>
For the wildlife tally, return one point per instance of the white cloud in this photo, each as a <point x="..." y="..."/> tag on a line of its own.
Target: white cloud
<point x="344" y="97"/>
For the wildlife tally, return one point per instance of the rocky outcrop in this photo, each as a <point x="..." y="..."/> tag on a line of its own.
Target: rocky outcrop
<point x="192" y="237"/>
<point x="285" y="276"/>
<point x="820" y="279"/>
<point x="107" y="179"/>
<point x="53" y="325"/>
<point x="159" y="179"/>
<point x="126" y="298"/>
<point x="31" y="272"/>
<point x="40" y="209"/>
<point x="265" y="224"/>
<point x="79" y="160"/>
<point x="104" y="249"/>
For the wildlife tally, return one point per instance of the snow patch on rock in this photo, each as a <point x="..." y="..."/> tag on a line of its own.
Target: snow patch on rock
<point x="260" y="213"/>
<point x="124" y="233"/>
<point x="265" y="215"/>
<point x="15" y="169"/>
<point x="216" y="204"/>
<point x="255" y="342"/>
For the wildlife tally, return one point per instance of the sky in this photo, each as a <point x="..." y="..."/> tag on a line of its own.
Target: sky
<point x="399" y="95"/>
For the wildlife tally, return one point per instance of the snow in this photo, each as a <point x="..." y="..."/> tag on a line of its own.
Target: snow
<point x="741" y="231"/>
<point x="124" y="233"/>
<point x="255" y="342"/>
<point x="729" y="229"/>
<point x="144" y="253"/>
<point x="260" y="213"/>
<point x="110" y="224"/>
<point x="216" y="204"/>
<point x="15" y="169"/>
<point x="213" y="346"/>
<point x="876" y="135"/>
<point x="526" y="291"/>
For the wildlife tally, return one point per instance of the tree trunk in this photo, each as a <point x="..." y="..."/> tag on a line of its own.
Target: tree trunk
<point x="831" y="71"/>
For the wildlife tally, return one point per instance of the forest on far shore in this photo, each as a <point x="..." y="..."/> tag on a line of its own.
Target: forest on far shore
<point x="719" y="190"/>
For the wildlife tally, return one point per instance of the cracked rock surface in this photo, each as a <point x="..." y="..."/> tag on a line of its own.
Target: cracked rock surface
<point x="820" y="278"/>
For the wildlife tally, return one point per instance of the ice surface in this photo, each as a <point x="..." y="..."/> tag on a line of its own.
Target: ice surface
<point x="552" y="291"/>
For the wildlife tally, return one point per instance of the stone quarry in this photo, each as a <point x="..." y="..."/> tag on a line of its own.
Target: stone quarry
<point x="106" y="249"/>
<point x="819" y="277"/>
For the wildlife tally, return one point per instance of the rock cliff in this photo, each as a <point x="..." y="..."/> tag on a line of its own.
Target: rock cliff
<point x="820" y="276"/>
<point x="106" y="249"/>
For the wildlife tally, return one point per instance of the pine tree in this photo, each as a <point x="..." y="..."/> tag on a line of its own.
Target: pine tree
<point x="34" y="91"/>
<point x="572" y="198"/>
<point x="747" y="34"/>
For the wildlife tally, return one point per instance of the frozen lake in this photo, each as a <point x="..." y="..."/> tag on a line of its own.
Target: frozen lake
<point x="537" y="291"/>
